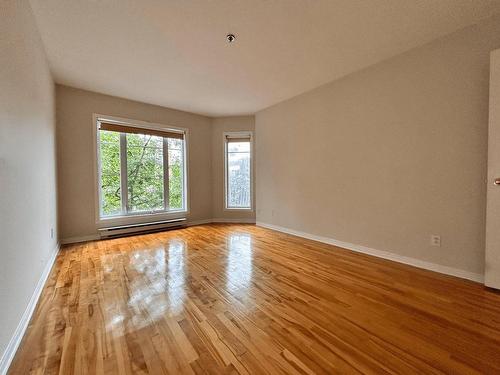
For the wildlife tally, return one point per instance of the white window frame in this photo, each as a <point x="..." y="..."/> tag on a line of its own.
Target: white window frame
<point x="140" y="217"/>
<point x="238" y="134"/>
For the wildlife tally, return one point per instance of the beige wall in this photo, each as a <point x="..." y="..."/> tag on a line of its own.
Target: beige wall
<point x="387" y="156"/>
<point x="492" y="256"/>
<point x="75" y="154"/>
<point x="27" y="165"/>
<point x="219" y="126"/>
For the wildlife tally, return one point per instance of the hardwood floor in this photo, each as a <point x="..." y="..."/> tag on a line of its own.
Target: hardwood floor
<point x="229" y="299"/>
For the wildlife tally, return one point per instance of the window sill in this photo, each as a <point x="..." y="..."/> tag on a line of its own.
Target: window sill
<point x="250" y="209"/>
<point x="141" y="218"/>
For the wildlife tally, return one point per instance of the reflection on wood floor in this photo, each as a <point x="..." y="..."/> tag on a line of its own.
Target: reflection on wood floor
<point x="239" y="299"/>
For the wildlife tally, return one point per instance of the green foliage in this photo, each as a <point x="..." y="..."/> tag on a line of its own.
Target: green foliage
<point x="175" y="173"/>
<point x="144" y="173"/>
<point x="175" y="186"/>
<point x="110" y="172"/>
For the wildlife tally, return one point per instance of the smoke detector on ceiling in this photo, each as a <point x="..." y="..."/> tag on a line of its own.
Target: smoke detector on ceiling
<point x="230" y="38"/>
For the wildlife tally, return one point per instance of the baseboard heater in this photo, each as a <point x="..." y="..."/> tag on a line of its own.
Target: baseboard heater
<point x="132" y="229"/>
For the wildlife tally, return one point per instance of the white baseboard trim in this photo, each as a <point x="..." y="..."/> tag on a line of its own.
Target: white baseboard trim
<point x="380" y="253"/>
<point x="198" y="222"/>
<point x="220" y="220"/>
<point x="239" y="221"/>
<point x="14" y="342"/>
<point x="91" y="237"/>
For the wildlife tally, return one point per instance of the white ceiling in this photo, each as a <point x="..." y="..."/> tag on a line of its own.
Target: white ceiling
<point x="174" y="53"/>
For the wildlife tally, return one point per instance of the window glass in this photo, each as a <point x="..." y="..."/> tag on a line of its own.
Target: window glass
<point x="153" y="173"/>
<point x="110" y="173"/>
<point x="238" y="175"/>
<point x="144" y="172"/>
<point x="175" y="173"/>
<point x="238" y="146"/>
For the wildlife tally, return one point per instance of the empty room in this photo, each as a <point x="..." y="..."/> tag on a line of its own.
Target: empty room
<point x="249" y="187"/>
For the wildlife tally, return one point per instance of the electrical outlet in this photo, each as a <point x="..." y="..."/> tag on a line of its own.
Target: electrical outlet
<point x="436" y="240"/>
<point x="51" y="232"/>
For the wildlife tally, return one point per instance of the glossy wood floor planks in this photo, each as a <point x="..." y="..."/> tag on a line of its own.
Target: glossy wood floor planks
<point x="239" y="299"/>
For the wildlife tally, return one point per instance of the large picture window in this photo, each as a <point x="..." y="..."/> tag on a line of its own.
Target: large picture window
<point x="141" y="170"/>
<point x="238" y="170"/>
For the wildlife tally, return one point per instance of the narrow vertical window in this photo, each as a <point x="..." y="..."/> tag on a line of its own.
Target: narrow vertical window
<point x="141" y="170"/>
<point x="238" y="170"/>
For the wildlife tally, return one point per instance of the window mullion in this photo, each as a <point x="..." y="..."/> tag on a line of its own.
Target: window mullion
<point x="123" y="173"/>
<point x="166" y="190"/>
